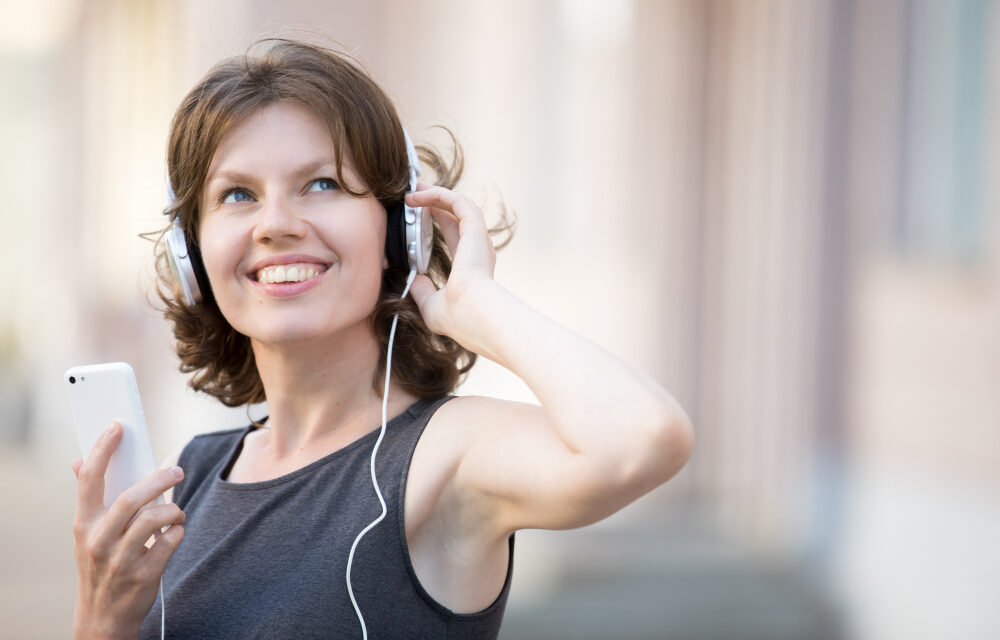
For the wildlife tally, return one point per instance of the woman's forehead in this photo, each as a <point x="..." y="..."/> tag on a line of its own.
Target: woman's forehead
<point x="277" y="130"/>
<point x="281" y="137"/>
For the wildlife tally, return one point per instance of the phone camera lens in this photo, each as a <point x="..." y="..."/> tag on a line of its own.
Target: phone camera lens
<point x="72" y="380"/>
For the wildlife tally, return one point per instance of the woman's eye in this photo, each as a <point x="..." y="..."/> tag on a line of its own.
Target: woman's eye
<point x="323" y="184"/>
<point x="234" y="196"/>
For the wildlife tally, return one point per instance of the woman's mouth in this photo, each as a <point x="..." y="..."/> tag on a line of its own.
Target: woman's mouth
<point x="289" y="273"/>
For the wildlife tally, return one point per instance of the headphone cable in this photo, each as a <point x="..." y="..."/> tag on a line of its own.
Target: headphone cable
<point x="385" y="400"/>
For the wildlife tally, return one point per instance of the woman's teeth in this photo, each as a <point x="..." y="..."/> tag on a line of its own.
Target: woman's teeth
<point x="287" y="273"/>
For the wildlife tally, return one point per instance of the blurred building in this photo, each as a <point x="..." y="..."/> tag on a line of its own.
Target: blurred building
<point x="783" y="210"/>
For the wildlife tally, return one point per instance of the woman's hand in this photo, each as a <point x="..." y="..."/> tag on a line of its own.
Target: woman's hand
<point x="472" y="261"/>
<point x="118" y="575"/>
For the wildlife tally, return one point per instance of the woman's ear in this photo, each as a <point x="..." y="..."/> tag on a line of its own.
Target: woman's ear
<point x="385" y="262"/>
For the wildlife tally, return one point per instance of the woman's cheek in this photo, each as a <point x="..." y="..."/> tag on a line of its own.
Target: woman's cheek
<point x="221" y="260"/>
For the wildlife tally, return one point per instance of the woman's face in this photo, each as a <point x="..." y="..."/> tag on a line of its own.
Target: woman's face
<point x="290" y="256"/>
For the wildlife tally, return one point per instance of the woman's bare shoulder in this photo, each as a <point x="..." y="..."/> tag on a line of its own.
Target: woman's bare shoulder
<point x="455" y="427"/>
<point x="466" y="416"/>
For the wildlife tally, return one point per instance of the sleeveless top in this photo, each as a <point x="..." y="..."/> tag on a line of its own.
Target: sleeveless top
<point x="268" y="559"/>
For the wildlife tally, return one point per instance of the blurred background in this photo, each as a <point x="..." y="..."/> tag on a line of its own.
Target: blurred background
<point x="782" y="210"/>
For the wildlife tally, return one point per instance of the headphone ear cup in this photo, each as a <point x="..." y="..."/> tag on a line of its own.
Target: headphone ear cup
<point x="187" y="267"/>
<point x="418" y="230"/>
<point x="419" y="238"/>
<point x="409" y="237"/>
<point x="395" y="236"/>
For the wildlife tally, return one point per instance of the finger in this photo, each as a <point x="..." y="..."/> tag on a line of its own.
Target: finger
<point x="127" y="505"/>
<point x="442" y="214"/>
<point x="90" y="489"/>
<point x="475" y="249"/>
<point x="449" y="228"/>
<point x="76" y="464"/>
<point x="156" y="503"/>
<point x="421" y="290"/>
<point x="148" y="522"/>
<point x="468" y="214"/>
<point x="156" y="557"/>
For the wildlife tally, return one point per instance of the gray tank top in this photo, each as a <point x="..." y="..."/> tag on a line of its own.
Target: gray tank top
<point x="268" y="559"/>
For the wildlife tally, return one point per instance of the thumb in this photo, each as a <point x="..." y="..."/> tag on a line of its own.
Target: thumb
<point x="422" y="289"/>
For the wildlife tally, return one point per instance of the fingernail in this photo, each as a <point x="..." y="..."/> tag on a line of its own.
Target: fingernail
<point x="111" y="428"/>
<point x="178" y="472"/>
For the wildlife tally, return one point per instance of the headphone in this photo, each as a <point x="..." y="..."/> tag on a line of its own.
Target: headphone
<point x="408" y="240"/>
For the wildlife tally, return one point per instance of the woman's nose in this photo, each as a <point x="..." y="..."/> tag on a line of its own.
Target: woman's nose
<point x="277" y="219"/>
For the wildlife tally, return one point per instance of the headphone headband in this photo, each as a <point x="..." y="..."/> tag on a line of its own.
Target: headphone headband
<point x="412" y="160"/>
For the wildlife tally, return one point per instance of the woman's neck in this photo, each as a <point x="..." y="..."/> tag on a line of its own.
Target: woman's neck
<point x="321" y="394"/>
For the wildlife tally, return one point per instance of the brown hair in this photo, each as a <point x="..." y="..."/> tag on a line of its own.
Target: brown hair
<point x="362" y="119"/>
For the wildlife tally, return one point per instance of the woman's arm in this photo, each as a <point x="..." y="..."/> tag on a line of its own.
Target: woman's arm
<point x="605" y="433"/>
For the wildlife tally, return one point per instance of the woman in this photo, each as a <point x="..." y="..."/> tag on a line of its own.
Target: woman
<point x="285" y="167"/>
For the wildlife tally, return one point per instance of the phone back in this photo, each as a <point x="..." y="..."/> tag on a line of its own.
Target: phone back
<point x="100" y="394"/>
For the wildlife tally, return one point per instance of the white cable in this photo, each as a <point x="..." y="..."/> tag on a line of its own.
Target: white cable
<point x="163" y="612"/>
<point x="381" y="500"/>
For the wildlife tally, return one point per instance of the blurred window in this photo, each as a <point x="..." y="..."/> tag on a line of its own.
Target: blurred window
<point x="943" y="120"/>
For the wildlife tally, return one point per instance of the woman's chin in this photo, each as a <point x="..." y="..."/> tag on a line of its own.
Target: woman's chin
<point x="296" y="335"/>
<point x="289" y="337"/>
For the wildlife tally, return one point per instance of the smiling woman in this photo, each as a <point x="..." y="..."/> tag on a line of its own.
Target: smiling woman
<point x="291" y="170"/>
<point x="363" y="155"/>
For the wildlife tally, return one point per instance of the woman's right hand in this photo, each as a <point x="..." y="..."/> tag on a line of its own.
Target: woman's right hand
<point x="118" y="575"/>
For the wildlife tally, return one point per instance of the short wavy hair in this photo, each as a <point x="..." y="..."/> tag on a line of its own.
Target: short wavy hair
<point x="361" y="118"/>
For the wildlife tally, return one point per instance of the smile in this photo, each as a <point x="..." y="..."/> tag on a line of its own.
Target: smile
<point x="289" y="273"/>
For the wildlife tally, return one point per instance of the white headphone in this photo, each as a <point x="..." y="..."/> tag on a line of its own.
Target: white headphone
<point x="408" y="242"/>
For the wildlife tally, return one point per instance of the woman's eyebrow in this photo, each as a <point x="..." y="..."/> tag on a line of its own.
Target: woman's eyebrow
<point x="239" y="176"/>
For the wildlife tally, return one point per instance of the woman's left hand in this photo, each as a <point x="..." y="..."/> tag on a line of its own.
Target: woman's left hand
<point x="472" y="260"/>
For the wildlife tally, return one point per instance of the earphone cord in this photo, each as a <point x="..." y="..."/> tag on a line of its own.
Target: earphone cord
<point x="163" y="612"/>
<point x="350" y="557"/>
<point x="385" y="399"/>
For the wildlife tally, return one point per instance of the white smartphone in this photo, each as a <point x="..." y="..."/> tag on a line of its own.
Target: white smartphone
<point x="100" y="394"/>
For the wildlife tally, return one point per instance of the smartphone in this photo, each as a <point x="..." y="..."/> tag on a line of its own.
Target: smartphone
<point x="100" y="394"/>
